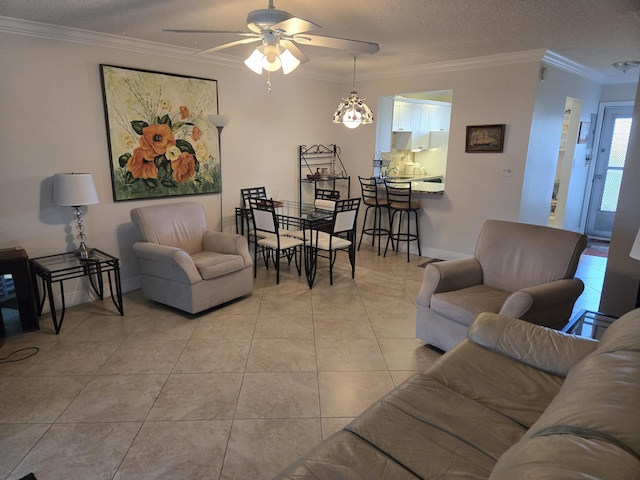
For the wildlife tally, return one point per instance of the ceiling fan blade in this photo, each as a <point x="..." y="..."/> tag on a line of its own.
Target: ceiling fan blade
<point x="294" y="25"/>
<point x="295" y="51"/>
<point x="244" y="34"/>
<point x="353" y="46"/>
<point x="227" y="45"/>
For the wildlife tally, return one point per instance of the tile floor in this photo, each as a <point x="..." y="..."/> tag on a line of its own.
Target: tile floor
<point x="236" y="393"/>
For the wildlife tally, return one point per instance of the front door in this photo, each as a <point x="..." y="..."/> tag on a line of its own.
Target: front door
<point x="610" y="158"/>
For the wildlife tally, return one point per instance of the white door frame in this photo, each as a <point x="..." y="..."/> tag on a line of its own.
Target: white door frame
<point x="594" y="153"/>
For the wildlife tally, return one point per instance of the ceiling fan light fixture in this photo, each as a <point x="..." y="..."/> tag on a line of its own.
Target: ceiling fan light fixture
<point x="254" y="61"/>
<point x="352" y="111"/>
<point x="625" y="66"/>
<point x="289" y="61"/>
<point x="271" y="60"/>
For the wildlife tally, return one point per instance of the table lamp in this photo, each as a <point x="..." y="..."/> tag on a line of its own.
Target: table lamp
<point x="75" y="190"/>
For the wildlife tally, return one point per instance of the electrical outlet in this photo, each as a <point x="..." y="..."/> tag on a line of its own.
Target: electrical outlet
<point x="506" y="172"/>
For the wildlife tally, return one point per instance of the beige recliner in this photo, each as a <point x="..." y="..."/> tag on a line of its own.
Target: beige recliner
<point x="184" y="265"/>
<point x="519" y="270"/>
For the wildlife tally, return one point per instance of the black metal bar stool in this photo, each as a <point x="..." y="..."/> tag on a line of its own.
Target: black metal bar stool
<point x="372" y="197"/>
<point x="399" y="198"/>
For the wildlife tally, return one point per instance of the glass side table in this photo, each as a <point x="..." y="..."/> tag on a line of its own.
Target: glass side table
<point x="587" y="323"/>
<point x="65" y="266"/>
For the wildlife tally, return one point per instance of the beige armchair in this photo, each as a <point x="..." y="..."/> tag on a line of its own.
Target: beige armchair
<point x="184" y="265"/>
<point x="519" y="270"/>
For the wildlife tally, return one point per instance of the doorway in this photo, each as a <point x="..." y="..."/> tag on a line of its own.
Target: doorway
<point x="609" y="165"/>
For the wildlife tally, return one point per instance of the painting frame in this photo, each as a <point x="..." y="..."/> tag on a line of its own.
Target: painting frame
<point x="485" y="138"/>
<point x="161" y="143"/>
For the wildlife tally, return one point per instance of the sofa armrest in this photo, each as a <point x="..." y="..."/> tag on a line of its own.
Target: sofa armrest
<point x="171" y="257"/>
<point x="540" y="347"/>
<point x="448" y="275"/>
<point x="543" y="297"/>
<point x="228" y="243"/>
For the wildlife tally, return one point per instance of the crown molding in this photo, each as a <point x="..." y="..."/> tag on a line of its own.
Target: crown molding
<point x="44" y="30"/>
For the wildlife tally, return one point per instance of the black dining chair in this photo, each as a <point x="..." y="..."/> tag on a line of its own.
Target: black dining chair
<point x="269" y="240"/>
<point x="341" y="235"/>
<point x="325" y="194"/>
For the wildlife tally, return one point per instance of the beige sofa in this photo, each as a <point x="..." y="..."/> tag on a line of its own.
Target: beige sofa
<point x="183" y="264"/>
<point x="513" y="401"/>
<point x="519" y="270"/>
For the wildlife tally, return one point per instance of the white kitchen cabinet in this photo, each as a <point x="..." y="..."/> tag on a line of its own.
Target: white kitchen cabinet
<point x="421" y="126"/>
<point x="440" y="118"/>
<point x="402" y="116"/>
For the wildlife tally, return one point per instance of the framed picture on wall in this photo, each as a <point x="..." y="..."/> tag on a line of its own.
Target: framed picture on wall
<point x="161" y="143"/>
<point x="484" y="138"/>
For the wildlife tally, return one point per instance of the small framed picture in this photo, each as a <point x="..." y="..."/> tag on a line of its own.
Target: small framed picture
<point x="484" y="138"/>
<point x="583" y="133"/>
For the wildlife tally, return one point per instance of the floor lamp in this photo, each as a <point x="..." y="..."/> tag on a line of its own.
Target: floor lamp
<point x="635" y="253"/>
<point x="220" y="121"/>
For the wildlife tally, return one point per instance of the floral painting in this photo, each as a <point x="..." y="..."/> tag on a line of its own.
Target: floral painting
<point x="160" y="140"/>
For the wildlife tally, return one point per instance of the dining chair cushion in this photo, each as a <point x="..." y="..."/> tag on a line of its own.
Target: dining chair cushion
<point x="327" y="242"/>
<point x="213" y="264"/>
<point x="328" y="205"/>
<point x="285" y="242"/>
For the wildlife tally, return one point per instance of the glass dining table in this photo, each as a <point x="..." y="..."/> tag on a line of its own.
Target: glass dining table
<point x="293" y="215"/>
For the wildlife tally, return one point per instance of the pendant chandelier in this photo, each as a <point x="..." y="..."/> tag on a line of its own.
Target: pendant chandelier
<point x="353" y="111"/>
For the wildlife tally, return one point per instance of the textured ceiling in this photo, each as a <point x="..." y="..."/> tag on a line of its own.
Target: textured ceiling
<point x="593" y="33"/>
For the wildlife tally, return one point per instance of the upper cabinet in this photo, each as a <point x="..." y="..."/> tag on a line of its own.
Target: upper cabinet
<point x="402" y="117"/>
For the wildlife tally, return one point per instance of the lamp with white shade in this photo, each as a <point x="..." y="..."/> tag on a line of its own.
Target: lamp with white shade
<point x="75" y="190"/>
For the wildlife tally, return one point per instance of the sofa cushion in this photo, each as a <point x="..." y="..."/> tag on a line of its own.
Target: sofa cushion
<point x="514" y="389"/>
<point x="565" y="457"/>
<point x="464" y="305"/>
<point x="345" y="456"/>
<point x="623" y="334"/>
<point x="213" y="264"/>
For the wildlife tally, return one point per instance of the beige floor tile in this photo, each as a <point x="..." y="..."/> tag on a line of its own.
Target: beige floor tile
<point x="202" y="396"/>
<point x="407" y="354"/>
<point x="164" y="327"/>
<point x="27" y="350"/>
<point x="39" y="399"/>
<point x="282" y="355"/>
<point x="347" y="394"/>
<point x="176" y="450"/>
<point x="208" y="356"/>
<point x="279" y="395"/>
<point x="393" y="325"/>
<point x="349" y="354"/>
<point x="223" y="325"/>
<point x="73" y="358"/>
<point x="290" y="303"/>
<point x="397" y="303"/>
<point x="338" y="304"/>
<point x="79" y="451"/>
<point x="139" y="357"/>
<point x="16" y="440"/>
<point x="342" y="326"/>
<point x="115" y="398"/>
<point x="247" y="305"/>
<point x="259" y="449"/>
<point x="276" y="325"/>
<point x="102" y="327"/>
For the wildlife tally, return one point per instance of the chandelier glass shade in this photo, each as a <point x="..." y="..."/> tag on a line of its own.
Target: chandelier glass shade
<point x="353" y="111"/>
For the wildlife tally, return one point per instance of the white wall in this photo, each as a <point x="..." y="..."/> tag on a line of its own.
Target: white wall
<point x="546" y="127"/>
<point x="53" y="121"/>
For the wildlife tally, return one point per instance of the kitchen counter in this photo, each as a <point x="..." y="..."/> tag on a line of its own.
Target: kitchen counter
<point x="421" y="185"/>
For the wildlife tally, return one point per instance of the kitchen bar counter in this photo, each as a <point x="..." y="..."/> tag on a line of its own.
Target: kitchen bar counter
<point x="421" y="185"/>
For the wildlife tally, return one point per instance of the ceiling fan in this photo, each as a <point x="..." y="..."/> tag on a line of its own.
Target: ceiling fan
<point x="279" y="32"/>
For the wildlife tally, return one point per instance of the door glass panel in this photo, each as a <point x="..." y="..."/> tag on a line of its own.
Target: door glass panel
<point x="619" y="142"/>
<point x="611" y="191"/>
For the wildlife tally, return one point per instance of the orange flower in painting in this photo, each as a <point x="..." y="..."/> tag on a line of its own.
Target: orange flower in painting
<point x="196" y="133"/>
<point x="183" y="167"/>
<point x="141" y="167"/>
<point x="184" y="112"/>
<point x="156" y="139"/>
